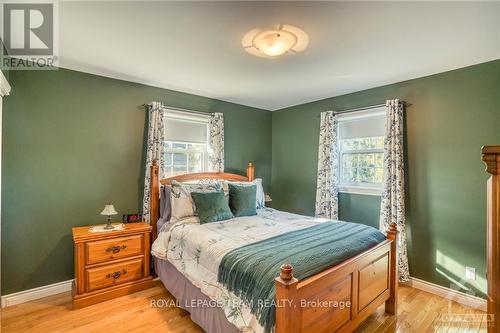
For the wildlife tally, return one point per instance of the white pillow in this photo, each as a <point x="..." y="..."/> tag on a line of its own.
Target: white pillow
<point x="180" y="197"/>
<point x="259" y="196"/>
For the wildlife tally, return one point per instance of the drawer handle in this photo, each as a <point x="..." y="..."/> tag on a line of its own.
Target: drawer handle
<point x="116" y="249"/>
<point x="116" y="275"/>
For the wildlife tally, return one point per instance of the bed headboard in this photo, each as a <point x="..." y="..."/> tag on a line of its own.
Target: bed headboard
<point x="154" y="208"/>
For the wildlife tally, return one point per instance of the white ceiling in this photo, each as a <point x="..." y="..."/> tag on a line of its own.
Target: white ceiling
<point x="195" y="47"/>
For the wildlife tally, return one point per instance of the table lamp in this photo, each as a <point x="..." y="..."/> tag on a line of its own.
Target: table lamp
<point x="109" y="211"/>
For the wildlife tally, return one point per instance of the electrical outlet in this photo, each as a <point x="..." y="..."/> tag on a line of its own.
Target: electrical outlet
<point x="470" y="273"/>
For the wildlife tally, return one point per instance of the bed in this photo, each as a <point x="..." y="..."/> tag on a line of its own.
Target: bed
<point x="235" y="275"/>
<point x="490" y="155"/>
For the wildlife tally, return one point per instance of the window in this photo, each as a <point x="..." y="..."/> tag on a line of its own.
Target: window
<point x="184" y="157"/>
<point x="186" y="143"/>
<point x="361" y="151"/>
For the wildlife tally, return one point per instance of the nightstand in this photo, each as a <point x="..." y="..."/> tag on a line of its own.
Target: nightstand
<point x="110" y="264"/>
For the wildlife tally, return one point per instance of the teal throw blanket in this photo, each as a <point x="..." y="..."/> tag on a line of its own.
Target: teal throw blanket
<point x="249" y="271"/>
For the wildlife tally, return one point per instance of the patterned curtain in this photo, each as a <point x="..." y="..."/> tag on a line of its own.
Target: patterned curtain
<point x="216" y="142"/>
<point x="156" y="135"/>
<point x="327" y="187"/>
<point x="393" y="193"/>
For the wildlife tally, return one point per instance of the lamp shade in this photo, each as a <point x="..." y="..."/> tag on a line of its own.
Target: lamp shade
<point x="275" y="42"/>
<point x="109" y="210"/>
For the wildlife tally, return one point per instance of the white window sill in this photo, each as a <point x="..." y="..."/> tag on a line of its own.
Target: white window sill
<point x="360" y="190"/>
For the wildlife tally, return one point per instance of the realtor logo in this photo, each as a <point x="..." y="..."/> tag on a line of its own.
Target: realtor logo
<point x="28" y="35"/>
<point x="28" y="29"/>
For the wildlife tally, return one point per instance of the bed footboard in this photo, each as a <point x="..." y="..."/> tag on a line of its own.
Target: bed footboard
<point x="339" y="298"/>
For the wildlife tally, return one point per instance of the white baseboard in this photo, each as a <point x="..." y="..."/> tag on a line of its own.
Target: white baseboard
<point x="455" y="295"/>
<point x="36" y="293"/>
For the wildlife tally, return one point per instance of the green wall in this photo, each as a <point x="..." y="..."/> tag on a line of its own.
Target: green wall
<point x="74" y="141"/>
<point x="359" y="208"/>
<point x="451" y="116"/>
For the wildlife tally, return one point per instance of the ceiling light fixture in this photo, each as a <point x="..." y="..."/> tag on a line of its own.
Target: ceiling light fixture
<point x="275" y="42"/>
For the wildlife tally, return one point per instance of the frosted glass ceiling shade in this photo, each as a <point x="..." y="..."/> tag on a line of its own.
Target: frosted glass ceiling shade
<point x="272" y="43"/>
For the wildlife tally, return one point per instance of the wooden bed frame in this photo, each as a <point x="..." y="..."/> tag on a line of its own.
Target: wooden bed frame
<point x="337" y="299"/>
<point x="491" y="157"/>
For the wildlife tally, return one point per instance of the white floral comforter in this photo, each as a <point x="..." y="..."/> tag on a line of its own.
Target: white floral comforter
<point x="196" y="250"/>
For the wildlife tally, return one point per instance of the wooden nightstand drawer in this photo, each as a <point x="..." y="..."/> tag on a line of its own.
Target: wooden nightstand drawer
<point x="111" y="249"/>
<point x="109" y="275"/>
<point x="111" y="264"/>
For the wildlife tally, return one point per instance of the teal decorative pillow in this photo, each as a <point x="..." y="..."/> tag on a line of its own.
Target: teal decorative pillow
<point x="260" y="195"/>
<point x="211" y="206"/>
<point x="242" y="199"/>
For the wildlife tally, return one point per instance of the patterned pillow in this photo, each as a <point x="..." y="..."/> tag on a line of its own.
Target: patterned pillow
<point x="182" y="204"/>
<point x="260" y="196"/>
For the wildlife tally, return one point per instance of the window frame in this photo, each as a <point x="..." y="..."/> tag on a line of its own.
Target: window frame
<point x="187" y="151"/>
<point x="188" y="117"/>
<point x="353" y="188"/>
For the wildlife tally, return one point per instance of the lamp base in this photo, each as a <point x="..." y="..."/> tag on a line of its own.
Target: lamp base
<point x="108" y="225"/>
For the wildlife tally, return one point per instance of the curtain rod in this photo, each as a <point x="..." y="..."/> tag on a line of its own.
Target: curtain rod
<point x="359" y="109"/>
<point x="365" y="108"/>
<point x="181" y="110"/>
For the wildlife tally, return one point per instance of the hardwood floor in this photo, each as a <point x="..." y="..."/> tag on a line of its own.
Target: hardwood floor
<point x="418" y="312"/>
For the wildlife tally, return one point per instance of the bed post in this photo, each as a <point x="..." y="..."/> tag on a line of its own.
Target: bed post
<point x="491" y="157"/>
<point x="250" y="171"/>
<point x="391" y="303"/>
<point x="287" y="307"/>
<point x="154" y="199"/>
